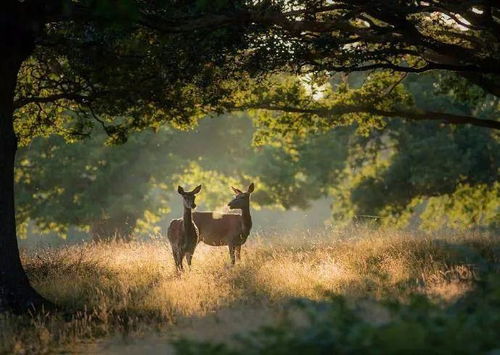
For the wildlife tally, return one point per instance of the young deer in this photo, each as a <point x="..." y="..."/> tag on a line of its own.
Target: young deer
<point x="182" y="233"/>
<point x="227" y="229"/>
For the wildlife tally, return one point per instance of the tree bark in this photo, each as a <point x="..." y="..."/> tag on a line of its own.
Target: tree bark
<point x="16" y="293"/>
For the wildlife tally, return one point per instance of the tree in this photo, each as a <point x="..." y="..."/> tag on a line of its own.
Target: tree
<point x="127" y="65"/>
<point x="415" y="163"/>
<point x="103" y="188"/>
<point x="407" y="170"/>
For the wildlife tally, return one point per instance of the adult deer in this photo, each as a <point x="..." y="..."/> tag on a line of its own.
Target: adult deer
<point x="227" y="229"/>
<point x="183" y="234"/>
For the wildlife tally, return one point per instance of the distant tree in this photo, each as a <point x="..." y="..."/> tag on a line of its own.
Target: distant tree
<point x="108" y="189"/>
<point x="389" y="173"/>
<point x="411" y="169"/>
<point x="222" y="152"/>
<point x="415" y="164"/>
<point x="88" y="184"/>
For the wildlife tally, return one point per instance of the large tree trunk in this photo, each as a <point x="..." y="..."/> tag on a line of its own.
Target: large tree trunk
<point x="16" y="293"/>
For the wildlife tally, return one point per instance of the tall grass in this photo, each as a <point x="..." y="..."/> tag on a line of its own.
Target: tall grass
<point x="133" y="288"/>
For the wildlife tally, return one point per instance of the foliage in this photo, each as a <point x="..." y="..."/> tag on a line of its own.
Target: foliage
<point x="86" y="183"/>
<point x="59" y="184"/>
<point x="80" y="72"/>
<point x="285" y="176"/>
<point x="288" y="107"/>
<point x="392" y="174"/>
<point x="426" y="163"/>
<point x="468" y="206"/>
<point x="397" y="172"/>
<point x="386" y="174"/>
<point x="70" y="91"/>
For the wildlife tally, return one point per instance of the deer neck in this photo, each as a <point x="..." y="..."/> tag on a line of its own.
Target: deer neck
<point x="187" y="219"/>
<point x="246" y="219"/>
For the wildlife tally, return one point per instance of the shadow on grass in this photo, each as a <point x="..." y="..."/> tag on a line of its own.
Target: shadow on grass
<point x="338" y="325"/>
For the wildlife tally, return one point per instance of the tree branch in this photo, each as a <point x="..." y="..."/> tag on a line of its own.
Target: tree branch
<point x="417" y="115"/>
<point x="447" y="118"/>
<point x="51" y="98"/>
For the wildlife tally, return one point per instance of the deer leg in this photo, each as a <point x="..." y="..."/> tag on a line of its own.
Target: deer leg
<point x="237" y="252"/>
<point x="189" y="257"/>
<point x="174" y="252"/>
<point x="181" y="259"/>
<point x="190" y="251"/>
<point x="177" y="259"/>
<point x="231" y="253"/>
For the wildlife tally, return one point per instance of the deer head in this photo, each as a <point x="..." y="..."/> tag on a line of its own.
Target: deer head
<point x="242" y="199"/>
<point x="189" y="197"/>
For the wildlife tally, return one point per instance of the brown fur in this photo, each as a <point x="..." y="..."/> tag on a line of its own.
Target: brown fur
<point x="219" y="231"/>
<point x="183" y="233"/>
<point x="227" y="229"/>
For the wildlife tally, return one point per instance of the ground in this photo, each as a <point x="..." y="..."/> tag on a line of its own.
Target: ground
<point x="128" y="298"/>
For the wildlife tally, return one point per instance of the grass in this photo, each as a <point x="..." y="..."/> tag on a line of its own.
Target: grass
<point x="132" y="288"/>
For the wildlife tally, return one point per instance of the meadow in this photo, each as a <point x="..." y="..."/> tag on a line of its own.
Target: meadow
<point x="339" y="290"/>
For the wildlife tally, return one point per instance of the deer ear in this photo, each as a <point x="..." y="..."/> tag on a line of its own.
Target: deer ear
<point x="251" y="188"/>
<point x="180" y="190"/>
<point x="196" y="189"/>
<point x="236" y="191"/>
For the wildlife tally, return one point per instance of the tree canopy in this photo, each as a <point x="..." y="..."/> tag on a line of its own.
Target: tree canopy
<point x="152" y="44"/>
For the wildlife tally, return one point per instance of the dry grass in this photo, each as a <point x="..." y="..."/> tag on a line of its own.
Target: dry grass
<point x="119" y="288"/>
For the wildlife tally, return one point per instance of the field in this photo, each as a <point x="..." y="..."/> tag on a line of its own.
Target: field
<point x="350" y="290"/>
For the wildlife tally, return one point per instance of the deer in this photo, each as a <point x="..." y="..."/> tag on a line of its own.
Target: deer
<point x="227" y="229"/>
<point x="183" y="233"/>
